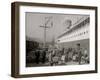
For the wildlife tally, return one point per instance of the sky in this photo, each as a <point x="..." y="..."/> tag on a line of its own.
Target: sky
<point x="57" y="24"/>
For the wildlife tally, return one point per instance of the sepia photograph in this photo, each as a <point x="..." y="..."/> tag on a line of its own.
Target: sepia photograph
<point x="57" y="39"/>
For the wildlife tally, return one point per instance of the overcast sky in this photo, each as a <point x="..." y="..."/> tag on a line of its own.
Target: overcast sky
<point x="35" y="20"/>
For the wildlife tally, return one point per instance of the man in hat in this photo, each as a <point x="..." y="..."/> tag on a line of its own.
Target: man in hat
<point x="79" y="53"/>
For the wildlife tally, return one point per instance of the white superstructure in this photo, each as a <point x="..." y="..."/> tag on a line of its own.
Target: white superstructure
<point x="78" y="31"/>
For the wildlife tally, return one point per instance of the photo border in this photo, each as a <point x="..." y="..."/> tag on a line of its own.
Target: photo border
<point x="15" y="38"/>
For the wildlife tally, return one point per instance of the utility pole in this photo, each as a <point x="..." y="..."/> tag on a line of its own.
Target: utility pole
<point x="46" y="27"/>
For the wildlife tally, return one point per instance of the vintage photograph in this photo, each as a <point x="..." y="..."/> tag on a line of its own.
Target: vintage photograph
<point x="54" y="39"/>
